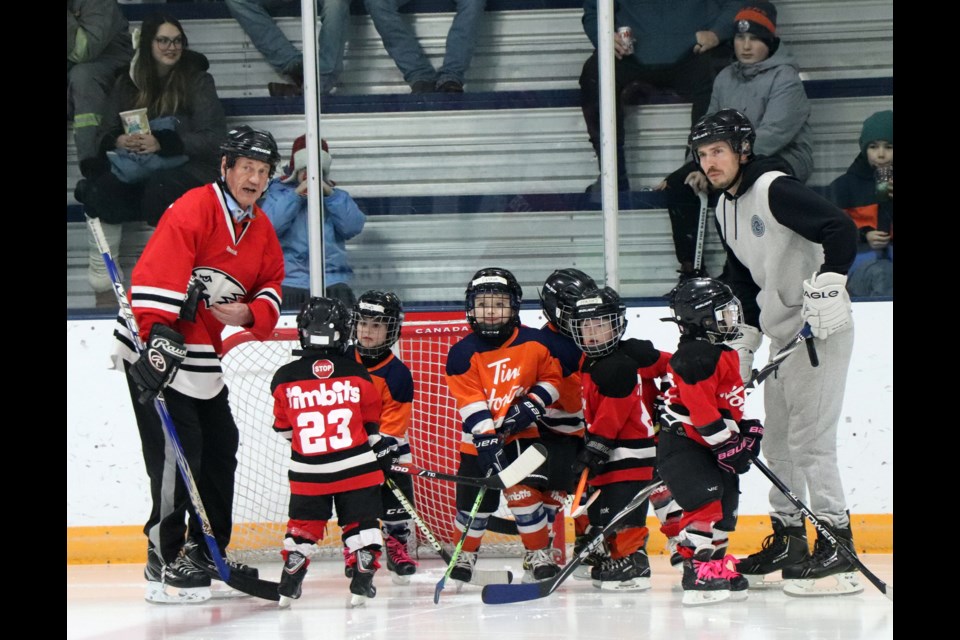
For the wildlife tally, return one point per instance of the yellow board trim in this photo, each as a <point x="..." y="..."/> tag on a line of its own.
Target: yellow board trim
<point x="873" y="533"/>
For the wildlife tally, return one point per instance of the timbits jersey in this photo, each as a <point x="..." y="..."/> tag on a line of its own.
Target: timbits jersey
<point x="326" y="405"/>
<point x="614" y="409"/>
<point x="236" y="263"/>
<point x="566" y="414"/>
<point x="707" y="395"/>
<point x="484" y="379"/>
<point x="392" y="379"/>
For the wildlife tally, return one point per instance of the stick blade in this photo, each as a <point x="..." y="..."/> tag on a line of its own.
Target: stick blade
<point x="508" y="593"/>
<point x="438" y="589"/>
<point x="889" y="592"/>
<point x="527" y="463"/>
<point x="254" y="586"/>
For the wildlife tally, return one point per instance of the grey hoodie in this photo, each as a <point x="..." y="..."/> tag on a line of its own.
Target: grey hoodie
<point x="771" y="95"/>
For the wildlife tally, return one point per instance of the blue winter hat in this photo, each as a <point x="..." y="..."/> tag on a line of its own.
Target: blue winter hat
<point x="879" y="126"/>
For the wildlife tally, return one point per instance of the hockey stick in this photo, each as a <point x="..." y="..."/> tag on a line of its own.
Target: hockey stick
<point x="252" y="586"/>
<point x="523" y="466"/>
<point x="480" y="577"/>
<point x="507" y="593"/>
<point x="823" y="530"/>
<point x="459" y="547"/>
<point x="759" y="376"/>
<point x="701" y="230"/>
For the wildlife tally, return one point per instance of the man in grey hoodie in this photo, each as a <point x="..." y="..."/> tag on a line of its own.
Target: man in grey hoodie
<point x="788" y="251"/>
<point x="763" y="84"/>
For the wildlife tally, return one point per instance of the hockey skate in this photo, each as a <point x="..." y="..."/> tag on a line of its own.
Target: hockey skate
<point x="349" y="562"/>
<point x="785" y="547"/>
<point x="703" y="582"/>
<point x="827" y="561"/>
<point x="399" y="562"/>
<point x="738" y="583"/>
<point x="291" y="580"/>
<point x="630" y="573"/>
<point x="594" y="559"/>
<point x="462" y="571"/>
<point x="176" y="583"/>
<point x="198" y="556"/>
<point x="539" y="565"/>
<point x="361" y="584"/>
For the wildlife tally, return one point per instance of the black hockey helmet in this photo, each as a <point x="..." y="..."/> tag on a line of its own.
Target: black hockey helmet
<point x="727" y="124"/>
<point x="559" y="293"/>
<point x="706" y="307"/>
<point x="494" y="280"/>
<point x="598" y="321"/>
<point x="381" y="307"/>
<point x="246" y="142"/>
<point x="324" y="324"/>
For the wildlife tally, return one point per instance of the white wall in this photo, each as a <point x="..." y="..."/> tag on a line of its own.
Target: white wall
<point x="106" y="484"/>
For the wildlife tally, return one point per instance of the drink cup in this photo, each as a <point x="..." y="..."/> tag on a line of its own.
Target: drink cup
<point x="884" y="180"/>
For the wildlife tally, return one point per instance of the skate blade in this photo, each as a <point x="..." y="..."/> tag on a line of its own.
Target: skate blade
<point x="285" y="602"/>
<point x="157" y="594"/>
<point x="700" y="598"/>
<point x="225" y="592"/>
<point x="843" y="584"/>
<point x="634" y="584"/>
<point x="738" y="596"/>
<point x="396" y="578"/>
<point x="582" y="574"/>
<point x="357" y="601"/>
<point x="764" y="581"/>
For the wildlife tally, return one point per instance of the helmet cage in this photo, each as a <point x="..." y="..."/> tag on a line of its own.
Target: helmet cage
<point x="380" y="308"/>
<point x="703" y="306"/>
<point x="559" y="295"/>
<point x="598" y="321"/>
<point x="493" y="281"/>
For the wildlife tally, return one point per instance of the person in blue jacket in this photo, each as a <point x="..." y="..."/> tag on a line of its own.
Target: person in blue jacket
<point x="285" y="203"/>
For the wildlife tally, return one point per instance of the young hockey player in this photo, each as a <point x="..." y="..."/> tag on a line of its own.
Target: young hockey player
<point x="620" y="448"/>
<point x="502" y="376"/>
<point x="377" y="318"/>
<point x="329" y="409"/>
<point x="705" y="441"/>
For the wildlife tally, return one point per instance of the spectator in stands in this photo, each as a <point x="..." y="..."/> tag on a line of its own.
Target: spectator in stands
<point x="98" y="48"/>
<point x="285" y="203"/>
<point x="672" y="41"/>
<point x="869" y="201"/>
<point x="280" y="53"/>
<point x="400" y="41"/>
<point x="187" y="125"/>
<point x="763" y="84"/>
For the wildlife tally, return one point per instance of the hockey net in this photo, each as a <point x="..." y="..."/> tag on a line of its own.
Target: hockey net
<point x="262" y="490"/>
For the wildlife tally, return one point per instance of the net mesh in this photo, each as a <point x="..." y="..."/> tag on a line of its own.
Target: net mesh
<point x="262" y="492"/>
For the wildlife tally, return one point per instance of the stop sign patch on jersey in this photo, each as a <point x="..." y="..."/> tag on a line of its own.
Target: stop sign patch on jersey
<point x="323" y="369"/>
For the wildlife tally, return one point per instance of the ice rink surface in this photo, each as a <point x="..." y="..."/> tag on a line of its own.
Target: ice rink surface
<point x="105" y="602"/>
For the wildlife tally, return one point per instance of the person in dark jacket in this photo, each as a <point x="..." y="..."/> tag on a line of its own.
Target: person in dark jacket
<point x="186" y="126"/>
<point x="869" y="201"/>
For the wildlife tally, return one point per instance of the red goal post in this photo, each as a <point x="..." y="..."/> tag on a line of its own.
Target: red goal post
<point x="262" y="492"/>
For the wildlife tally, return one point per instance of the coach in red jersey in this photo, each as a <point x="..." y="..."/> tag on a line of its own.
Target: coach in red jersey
<point x="213" y="261"/>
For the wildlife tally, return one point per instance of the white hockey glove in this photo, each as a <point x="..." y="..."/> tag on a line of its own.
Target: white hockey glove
<point x="826" y="304"/>
<point x="746" y="345"/>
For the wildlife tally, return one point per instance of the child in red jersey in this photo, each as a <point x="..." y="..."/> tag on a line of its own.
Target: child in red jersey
<point x="705" y="442"/>
<point x="329" y="409"/>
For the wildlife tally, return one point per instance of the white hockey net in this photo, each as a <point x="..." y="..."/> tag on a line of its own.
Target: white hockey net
<point x="262" y="492"/>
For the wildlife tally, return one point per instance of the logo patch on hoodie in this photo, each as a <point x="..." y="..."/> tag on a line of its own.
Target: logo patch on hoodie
<point x="757" y="226"/>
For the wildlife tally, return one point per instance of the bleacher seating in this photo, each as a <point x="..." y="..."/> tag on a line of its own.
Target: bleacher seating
<point x="517" y="130"/>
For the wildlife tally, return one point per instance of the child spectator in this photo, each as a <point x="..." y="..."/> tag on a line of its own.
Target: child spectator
<point x="705" y="442"/>
<point x="764" y="84"/>
<point x="620" y="448"/>
<point x="869" y="201"/>
<point x="377" y="319"/>
<point x="337" y="457"/>
<point x="285" y="203"/>
<point x="136" y="176"/>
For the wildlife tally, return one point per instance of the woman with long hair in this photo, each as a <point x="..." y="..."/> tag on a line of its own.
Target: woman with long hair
<point x="137" y="175"/>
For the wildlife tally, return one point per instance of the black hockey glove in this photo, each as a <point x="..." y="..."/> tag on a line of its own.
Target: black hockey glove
<point x="595" y="453"/>
<point x="489" y="453"/>
<point x="735" y="455"/>
<point x="158" y="362"/>
<point x="385" y="452"/>
<point x="522" y="413"/>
